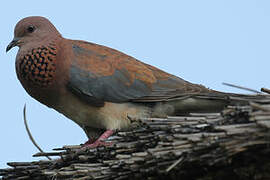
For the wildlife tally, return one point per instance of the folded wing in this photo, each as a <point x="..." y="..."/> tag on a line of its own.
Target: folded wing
<point x="100" y="74"/>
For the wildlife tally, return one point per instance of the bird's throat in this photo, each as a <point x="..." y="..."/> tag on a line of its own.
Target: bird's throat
<point x="37" y="66"/>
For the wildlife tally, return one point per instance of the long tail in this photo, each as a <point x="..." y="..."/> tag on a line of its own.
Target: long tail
<point x="212" y="102"/>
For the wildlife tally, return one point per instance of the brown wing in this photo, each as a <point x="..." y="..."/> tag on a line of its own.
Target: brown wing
<point x="104" y="74"/>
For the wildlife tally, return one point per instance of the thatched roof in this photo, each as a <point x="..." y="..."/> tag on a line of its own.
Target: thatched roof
<point x="231" y="144"/>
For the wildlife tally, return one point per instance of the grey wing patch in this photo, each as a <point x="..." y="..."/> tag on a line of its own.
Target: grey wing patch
<point x="171" y="89"/>
<point x="92" y="87"/>
<point x="84" y="96"/>
<point x="106" y="88"/>
<point x="117" y="87"/>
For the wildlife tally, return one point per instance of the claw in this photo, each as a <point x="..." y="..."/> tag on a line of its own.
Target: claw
<point x="99" y="141"/>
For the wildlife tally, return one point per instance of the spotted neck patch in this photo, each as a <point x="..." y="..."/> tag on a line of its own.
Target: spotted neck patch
<point x="38" y="65"/>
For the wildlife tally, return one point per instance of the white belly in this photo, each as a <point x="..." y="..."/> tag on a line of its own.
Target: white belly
<point x="111" y="116"/>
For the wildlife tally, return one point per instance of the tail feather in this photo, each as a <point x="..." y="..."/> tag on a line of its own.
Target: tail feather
<point x="205" y="102"/>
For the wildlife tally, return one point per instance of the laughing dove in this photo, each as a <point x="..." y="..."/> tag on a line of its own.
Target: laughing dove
<point x="98" y="87"/>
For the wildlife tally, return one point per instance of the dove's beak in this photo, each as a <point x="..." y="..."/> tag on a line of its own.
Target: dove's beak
<point x="12" y="44"/>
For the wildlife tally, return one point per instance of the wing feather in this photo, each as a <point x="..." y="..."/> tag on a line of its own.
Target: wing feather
<point x="100" y="74"/>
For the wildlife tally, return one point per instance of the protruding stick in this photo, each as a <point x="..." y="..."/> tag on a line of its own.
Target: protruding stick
<point x="29" y="133"/>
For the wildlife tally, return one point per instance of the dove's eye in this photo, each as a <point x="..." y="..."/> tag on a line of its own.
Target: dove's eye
<point x="31" y="29"/>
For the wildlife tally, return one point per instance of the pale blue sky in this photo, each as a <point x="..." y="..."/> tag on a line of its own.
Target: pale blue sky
<point x="202" y="41"/>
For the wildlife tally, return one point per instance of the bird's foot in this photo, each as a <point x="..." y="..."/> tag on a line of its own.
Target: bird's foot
<point x="97" y="143"/>
<point x="93" y="144"/>
<point x="100" y="141"/>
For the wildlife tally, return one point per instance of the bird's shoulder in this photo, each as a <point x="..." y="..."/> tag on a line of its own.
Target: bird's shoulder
<point x="105" y="61"/>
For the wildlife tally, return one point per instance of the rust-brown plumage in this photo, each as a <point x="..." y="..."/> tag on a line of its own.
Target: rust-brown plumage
<point x="97" y="87"/>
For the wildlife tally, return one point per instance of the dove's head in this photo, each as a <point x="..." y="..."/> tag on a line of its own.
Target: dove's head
<point x="32" y="29"/>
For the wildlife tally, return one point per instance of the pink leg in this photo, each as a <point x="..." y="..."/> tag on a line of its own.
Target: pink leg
<point x="100" y="140"/>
